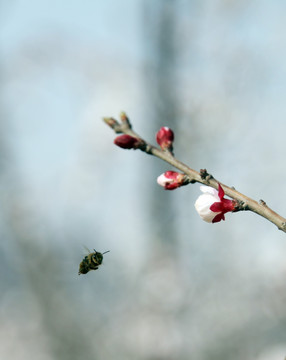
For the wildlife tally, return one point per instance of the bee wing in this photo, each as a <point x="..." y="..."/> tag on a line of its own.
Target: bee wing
<point x="86" y="249"/>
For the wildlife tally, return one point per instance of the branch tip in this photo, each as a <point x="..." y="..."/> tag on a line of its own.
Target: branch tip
<point x="125" y="120"/>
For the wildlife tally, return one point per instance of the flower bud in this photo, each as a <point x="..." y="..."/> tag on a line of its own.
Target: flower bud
<point x="165" y="138"/>
<point x="211" y="205"/>
<point x="127" y="142"/>
<point x="171" y="180"/>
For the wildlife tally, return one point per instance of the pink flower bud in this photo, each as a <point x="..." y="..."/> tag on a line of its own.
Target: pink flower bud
<point x="211" y="205"/>
<point x="171" y="180"/>
<point x="165" y="138"/>
<point x="127" y="142"/>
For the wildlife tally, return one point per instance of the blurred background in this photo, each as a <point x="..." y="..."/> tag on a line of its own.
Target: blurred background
<point x="172" y="286"/>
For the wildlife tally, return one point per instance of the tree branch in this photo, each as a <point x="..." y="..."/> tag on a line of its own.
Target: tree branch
<point x="242" y="202"/>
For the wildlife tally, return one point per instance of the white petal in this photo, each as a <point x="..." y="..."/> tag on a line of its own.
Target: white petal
<point x="162" y="180"/>
<point x="210" y="190"/>
<point x="203" y="204"/>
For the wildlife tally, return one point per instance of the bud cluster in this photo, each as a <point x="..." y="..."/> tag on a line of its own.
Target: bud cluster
<point x="211" y="205"/>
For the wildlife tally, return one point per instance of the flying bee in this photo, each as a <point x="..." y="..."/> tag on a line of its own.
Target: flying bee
<point x="92" y="261"/>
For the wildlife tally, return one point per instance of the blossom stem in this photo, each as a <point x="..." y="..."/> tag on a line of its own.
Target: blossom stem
<point x="243" y="202"/>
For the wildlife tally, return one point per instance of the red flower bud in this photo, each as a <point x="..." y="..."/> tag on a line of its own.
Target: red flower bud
<point x="171" y="180"/>
<point x="127" y="142"/>
<point x="165" y="138"/>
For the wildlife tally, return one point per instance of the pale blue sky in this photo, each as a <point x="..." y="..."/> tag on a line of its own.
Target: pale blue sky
<point x="109" y="22"/>
<point x="45" y="46"/>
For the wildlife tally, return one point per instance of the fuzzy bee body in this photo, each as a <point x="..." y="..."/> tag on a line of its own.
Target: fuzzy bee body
<point x="92" y="261"/>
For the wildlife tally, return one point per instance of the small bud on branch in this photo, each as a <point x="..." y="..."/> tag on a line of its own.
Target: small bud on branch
<point x="165" y="138"/>
<point x="171" y="180"/>
<point x="128" y="142"/>
<point x="124" y="118"/>
<point x="111" y="122"/>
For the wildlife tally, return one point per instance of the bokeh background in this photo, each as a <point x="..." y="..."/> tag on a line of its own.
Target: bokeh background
<point x="172" y="287"/>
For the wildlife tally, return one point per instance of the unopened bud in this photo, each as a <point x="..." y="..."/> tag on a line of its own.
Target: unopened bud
<point x="127" y="142"/>
<point x="124" y="118"/>
<point x="165" y="138"/>
<point x="111" y="122"/>
<point x="171" y="180"/>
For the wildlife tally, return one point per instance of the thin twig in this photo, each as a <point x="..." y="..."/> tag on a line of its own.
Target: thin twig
<point x="243" y="202"/>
